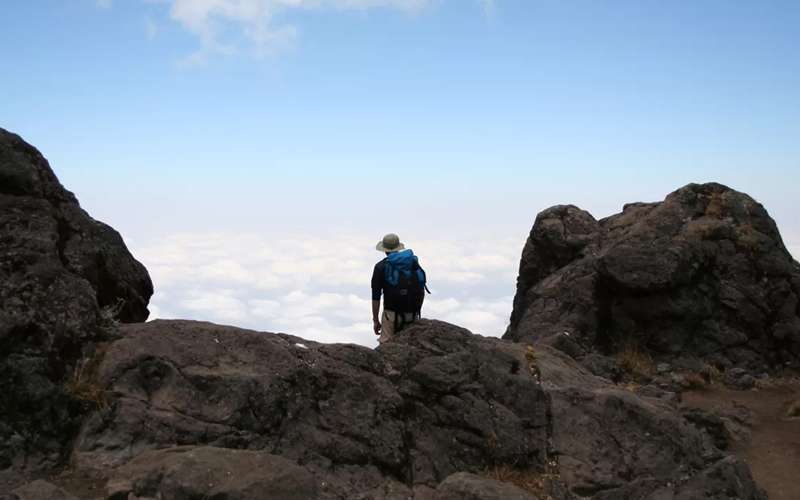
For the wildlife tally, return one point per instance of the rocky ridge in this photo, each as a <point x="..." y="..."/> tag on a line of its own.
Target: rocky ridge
<point x="191" y="410"/>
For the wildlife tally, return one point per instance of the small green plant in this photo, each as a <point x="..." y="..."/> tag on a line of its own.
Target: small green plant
<point x="109" y="315"/>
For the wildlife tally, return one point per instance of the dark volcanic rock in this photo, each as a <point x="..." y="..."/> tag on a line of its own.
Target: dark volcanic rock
<point x="218" y="473"/>
<point x="392" y="423"/>
<point x="465" y="486"/>
<point x="611" y="443"/>
<point x="702" y="275"/>
<point x="58" y="269"/>
<point x="442" y="402"/>
<point x="185" y="410"/>
<point x="40" y="490"/>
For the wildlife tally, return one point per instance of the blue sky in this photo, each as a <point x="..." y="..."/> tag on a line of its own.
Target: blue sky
<point x="277" y="122"/>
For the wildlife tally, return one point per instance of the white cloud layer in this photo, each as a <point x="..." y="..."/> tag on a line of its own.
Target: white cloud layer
<point x="319" y="288"/>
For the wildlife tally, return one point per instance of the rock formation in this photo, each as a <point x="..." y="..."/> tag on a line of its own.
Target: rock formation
<point x="702" y="277"/>
<point x="62" y="274"/>
<point x="442" y="402"/>
<point x="190" y="410"/>
<point x="400" y="422"/>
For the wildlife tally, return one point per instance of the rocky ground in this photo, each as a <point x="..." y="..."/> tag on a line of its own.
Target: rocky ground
<point x="595" y="393"/>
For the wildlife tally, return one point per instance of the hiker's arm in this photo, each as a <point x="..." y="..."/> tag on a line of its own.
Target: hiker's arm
<point x="376" y="308"/>
<point x="377" y="288"/>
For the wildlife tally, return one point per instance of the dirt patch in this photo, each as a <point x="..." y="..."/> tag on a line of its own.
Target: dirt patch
<point x="773" y="450"/>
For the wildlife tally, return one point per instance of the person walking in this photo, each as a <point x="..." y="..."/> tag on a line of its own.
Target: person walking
<point x="402" y="282"/>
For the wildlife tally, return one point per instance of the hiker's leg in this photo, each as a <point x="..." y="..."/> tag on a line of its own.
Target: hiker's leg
<point x="403" y="320"/>
<point x="387" y="326"/>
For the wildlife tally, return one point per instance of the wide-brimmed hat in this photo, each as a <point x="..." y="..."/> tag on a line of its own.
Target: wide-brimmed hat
<point x="390" y="243"/>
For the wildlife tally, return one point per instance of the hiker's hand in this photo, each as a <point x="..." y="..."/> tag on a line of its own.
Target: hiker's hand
<point x="376" y="325"/>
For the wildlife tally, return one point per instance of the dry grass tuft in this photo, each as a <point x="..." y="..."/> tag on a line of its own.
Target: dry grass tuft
<point x="794" y="409"/>
<point x="83" y="384"/>
<point x="538" y="483"/>
<point x="694" y="380"/>
<point x="711" y="373"/>
<point x="634" y="360"/>
<point x="632" y="387"/>
<point x="533" y="367"/>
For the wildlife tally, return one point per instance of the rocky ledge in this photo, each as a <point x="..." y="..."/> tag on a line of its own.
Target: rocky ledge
<point x="197" y="410"/>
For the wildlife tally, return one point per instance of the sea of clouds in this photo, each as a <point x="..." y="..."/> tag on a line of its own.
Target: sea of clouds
<point x="319" y="288"/>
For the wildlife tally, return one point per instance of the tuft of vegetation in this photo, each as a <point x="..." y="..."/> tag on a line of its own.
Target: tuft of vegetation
<point x="539" y="483"/>
<point x="794" y="409"/>
<point x="82" y="383"/>
<point x="694" y="380"/>
<point x="711" y="374"/>
<point x="634" y="360"/>
<point x="108" y="318"/>
<point x="632" y="387"/>
<point x="530" y="359"/>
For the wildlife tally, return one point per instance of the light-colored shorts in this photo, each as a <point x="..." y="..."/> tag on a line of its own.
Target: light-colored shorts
<point x="387" y="324"/>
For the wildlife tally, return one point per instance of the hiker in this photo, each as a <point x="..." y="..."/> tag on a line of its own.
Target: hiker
<point x="401" y="280"/>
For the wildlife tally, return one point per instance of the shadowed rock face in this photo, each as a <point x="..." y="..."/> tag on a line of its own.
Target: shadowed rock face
<point x="702" y="275"/>
<point x="58" y="268"/>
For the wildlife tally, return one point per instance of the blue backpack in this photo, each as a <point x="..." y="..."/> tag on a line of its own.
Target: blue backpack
<point x="405" y="282"/>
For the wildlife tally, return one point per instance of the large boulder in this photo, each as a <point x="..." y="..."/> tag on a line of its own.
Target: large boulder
<point x="414" y="413"/>
<point x="612" y="443"/>
<point x="397" y="422"/>
<point x="701" y="277"/>
<point x="64" y="278"/>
